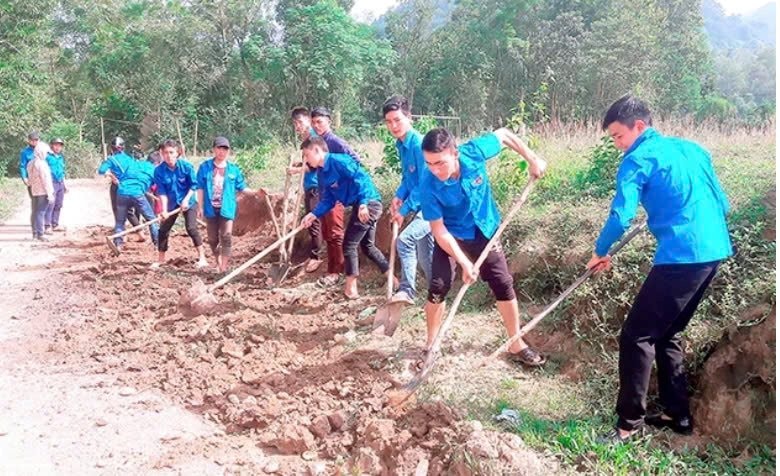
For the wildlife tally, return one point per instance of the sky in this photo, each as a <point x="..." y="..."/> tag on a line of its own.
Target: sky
<point x="369" y="10"/>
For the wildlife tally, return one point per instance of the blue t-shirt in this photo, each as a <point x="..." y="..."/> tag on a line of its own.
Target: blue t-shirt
<point x="413" y="170"/>
<point x="343" y="179"/>
<point x="310" y="176"/>
<point x="25" y="156"/>
<point x="686" y="207"/>
<point x="117" y="164"/>
<point x="465" y="203"/>
<point x="233" y="183"/>
<point x="176" y="183"/>
<point x="57" y="165"/>
<point x="137" y="179"/>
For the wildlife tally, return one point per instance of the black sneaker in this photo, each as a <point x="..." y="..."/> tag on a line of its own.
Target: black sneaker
<point x="682" y="426"/>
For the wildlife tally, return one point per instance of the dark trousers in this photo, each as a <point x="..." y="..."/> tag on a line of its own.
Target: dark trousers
<point x="664" y="306"/>
<point x="53" y="210"/>
<point x="333" y="234"/>
<point x="32" y="209"/>
<point x="124" y="205"/>
<point x="133" y="215"/>
<point x="494" y="270"/>
<point x="38" y="216"/>
<point x="220" y="234"/>
<point x="190" y="224"/>
<point x="311" y="199"/>
<point x="363" y="234"/>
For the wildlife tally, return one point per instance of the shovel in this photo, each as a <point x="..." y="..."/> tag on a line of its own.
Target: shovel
<point x="387" y="317"/>
<point x="397" y="397"/>
<point x="550" y="307"/>
<point x="199" y="299"/>
<point x="110" y="239"/>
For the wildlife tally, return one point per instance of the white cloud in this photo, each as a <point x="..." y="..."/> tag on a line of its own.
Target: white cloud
<point x="741" y="7"/>
<point x="369" y="10"/>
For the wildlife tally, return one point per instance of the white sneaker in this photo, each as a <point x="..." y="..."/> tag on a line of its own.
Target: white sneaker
<point x="402" y="296"/>
<point x="155" y="265"/>
<point x="202" y="263"/>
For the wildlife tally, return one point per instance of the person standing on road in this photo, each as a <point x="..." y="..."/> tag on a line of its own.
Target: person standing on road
<point x="115" y="166"/>
<point x="133" y="186"/>
<point x="686" y="209"/>
<point x="415" y="243"/>
<point x="218" y="182"/>
<point x="56" y="163"/>
<point x="25" y="156"/>
<point x="39" y="180"/>
<point x="176" y="186"/>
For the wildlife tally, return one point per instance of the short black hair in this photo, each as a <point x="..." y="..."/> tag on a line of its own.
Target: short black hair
<point x="300" y="111"/>
<point x="438" y="140"/>
<point x="627" y="110"/>
<point x="320" y="112"/>
<point x="314" y="141"/>
<point x="396" y="103"/>
<point x="169" y="143"/>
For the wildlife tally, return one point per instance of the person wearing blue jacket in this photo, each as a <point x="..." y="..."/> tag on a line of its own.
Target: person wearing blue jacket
<point x="114" y="166"/>
<point x="56" y="163"/>
<point x="686" y="207"/>
<point x="134" y="182"/>
<point x="219" y="181"/>
<point x="176" y="186"/>
<point x="415" y="242"/>
<point x="343" y="180"/>
<point x="458" y="202"/>
<point x="25" y="157"/>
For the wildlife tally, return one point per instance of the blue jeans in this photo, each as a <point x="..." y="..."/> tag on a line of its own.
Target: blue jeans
<point x="415" y="245"/>
<point x="125" y="203"/>
<point x="53" y="210"/>
<point x="38" y="216"/>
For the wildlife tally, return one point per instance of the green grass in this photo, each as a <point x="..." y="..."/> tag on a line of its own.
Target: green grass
<point x="11" y="192"/>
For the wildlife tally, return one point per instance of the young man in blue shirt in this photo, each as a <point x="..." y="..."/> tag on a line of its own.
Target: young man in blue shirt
<point x="134" y="181"/>
<point x="114" y="166"/>
<point x="686" y="209"/>
<point x="333" y="222"/>
<point x="57" y="165"/>
<point x="219" y="181"/>
<point x="415" y="243"/>
<point x="343" y="180"/>
<point x="458" y="203"/>
<point x="176" y="186"/>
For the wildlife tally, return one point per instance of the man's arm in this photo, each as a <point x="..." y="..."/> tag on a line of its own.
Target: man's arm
<point x="536" y="166"/>
<point x="450" y="246"/>
<point x="631" y="178"/>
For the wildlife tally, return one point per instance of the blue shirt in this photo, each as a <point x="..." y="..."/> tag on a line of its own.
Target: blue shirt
<point x="57" y="165"/>
<point x="25" y="156"/>
<point x="466" y="203"/>
<point x="176" y="183"/>
<point x="342" y="179"/>
<point x="413" y="170"/>
<point x="337" y="145"/>
<point x="234" y="183"/>
<point x="137" y="179"/>
<point x="310" y="176"/>
<point x="686" y="208"/>
<point x="117" y="164"/>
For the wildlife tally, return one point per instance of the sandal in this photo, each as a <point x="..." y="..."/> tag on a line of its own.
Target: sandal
<point x="419" y="364"/>
<point x="329" y="280"/>
<point x="528" y="357"/>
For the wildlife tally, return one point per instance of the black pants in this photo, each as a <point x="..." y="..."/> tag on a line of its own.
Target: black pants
<point x="664" y="306"/>
<point x="190" y="224"/>
<point x="494" y="270"/>
<point x="311" y="199"/>
<point x="133" y="214"/>
<point x="363" y="234"/>
<point x="220" y="234"/>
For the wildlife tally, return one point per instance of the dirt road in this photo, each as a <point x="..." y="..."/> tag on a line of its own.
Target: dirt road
<point x="99" y="373"/>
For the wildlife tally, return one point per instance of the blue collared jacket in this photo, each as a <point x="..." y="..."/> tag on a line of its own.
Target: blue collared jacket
<point x="342" y="179"/>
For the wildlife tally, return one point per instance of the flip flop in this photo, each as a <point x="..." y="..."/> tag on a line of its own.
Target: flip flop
<point x="528" y="357"/>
